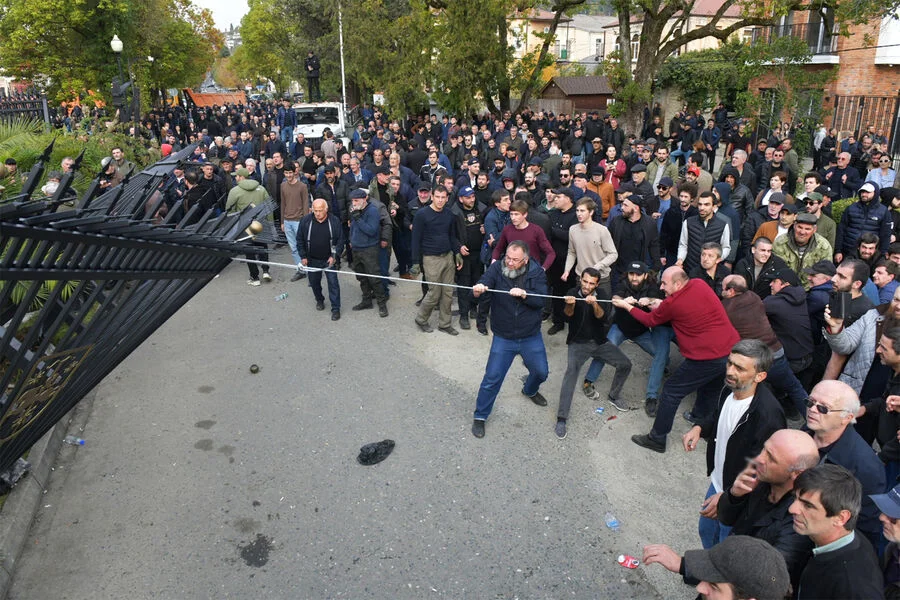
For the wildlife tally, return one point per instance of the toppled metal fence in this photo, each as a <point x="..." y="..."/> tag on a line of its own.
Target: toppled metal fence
<point x="82" y="287"/>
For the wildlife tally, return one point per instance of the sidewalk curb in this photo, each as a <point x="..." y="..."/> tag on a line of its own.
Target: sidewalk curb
<point x="21" y="506"/>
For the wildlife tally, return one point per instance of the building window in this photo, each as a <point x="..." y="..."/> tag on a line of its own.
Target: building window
<point x="635" y="46"/>
<point x="600" y="51"/>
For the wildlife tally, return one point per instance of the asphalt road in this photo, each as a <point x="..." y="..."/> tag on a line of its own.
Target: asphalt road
<point x="202" y="480"/>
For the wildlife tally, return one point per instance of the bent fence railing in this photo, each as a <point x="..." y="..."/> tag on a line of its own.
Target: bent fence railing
<point x="81" y="288"/>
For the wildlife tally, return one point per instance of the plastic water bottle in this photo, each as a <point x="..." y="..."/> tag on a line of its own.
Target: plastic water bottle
<point x="611" y="521"/>
<point x="280" y="297"/>
<point x="73" y="440"/>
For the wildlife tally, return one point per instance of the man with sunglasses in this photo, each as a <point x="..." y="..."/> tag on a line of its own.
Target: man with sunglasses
<point x="663" y="200"/>
<point x="832" y="409"/>
<point x="825" y="225"/>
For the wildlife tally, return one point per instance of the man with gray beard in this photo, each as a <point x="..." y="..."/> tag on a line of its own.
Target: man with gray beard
<point x="516" y="324"/>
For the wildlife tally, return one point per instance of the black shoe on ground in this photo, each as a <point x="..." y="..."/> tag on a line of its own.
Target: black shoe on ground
<point x="425" y="327"/>
<point x="298" y="276"/>
<point x="478" y="428"/>
<point x="449" y="330"/>
<point x="473" y="313"/>
<point x="482" y="329"/>
<point x="645" y="441"/>
<point x="538" y="399"/>
<point x="364" y="305"/>
<point x="464" y="323"/>
<point x="382" y="310"/>
<point x="556" y="328"/>
<point x="419" y="301"/>
<point x="391" y="282"/>
<point x="650" y="407"/>
<point x="397" y="269"/>
<point x="546" y="316"/>
<point x="320" y="305"/>
<point x="690" y="417"/>
<point x="336" y="315"/>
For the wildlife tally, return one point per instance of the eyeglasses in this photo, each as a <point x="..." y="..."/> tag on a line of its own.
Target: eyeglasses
<point x="885" y="161"/>
<point x="810" y="202"/>
<point x="824" y="410"/>
<point x="662" y="187"/>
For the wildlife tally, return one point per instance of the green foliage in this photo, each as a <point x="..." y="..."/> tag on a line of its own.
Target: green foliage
<point x="839" y="206"/>
<point x="705" y="76"/>
<point x="264" y="51"/>
<point x="25" y="141"/>
<point x="65" y="45"/>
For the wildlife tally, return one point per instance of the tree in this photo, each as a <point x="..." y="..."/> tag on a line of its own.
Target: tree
<point x="66" y="44"/>
<point x="560" y="8"/>
<point x="265" y="41"/>
<point x="663" y="32"/>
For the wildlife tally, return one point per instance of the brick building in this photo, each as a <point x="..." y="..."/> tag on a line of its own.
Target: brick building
<point x="867" y="87"/>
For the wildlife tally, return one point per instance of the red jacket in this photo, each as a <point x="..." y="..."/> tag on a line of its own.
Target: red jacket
<point x="699" y="320"/>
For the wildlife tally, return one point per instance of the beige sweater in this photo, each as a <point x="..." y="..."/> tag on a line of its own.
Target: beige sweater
<point x="591" y="247"/>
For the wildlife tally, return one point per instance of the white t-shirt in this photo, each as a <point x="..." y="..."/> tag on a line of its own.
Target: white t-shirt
<point x="732" y="412"/>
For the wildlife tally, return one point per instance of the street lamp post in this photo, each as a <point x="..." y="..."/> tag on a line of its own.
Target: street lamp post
<point x="116" y="45"/>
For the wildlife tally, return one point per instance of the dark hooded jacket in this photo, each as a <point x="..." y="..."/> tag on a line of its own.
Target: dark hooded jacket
<point x="861" y="217"/>
<point x="789" y="316"/>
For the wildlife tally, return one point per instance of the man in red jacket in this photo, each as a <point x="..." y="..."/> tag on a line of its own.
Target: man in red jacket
<point x="705" y="337"/>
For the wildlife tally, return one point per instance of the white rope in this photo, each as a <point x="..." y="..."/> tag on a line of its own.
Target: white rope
<point x="398" y="279"/>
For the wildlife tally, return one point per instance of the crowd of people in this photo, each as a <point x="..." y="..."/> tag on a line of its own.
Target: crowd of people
<point x="782" y="314"/>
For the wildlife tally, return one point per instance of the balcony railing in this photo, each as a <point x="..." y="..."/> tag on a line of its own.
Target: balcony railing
<point x="817" y="38"/>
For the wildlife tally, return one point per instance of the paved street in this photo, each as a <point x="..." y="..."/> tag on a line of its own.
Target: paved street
<point x="202" y="480"/>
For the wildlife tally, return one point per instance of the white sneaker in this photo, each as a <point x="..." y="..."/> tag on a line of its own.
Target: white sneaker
<point x="267" y="278"/>
<point x="253" y="282"/>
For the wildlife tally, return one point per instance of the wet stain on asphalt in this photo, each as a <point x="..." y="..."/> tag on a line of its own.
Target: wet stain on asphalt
<point x="226" y="450"/>
<point x="204" y="445"/>
<point x="205" y="424"/>
<point x="256" y="553"/>
<point x="246" y="525"/>
<point x="205" y="389"/>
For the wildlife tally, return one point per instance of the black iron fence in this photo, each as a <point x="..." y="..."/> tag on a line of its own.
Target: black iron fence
<point x="82" y="288"/>
<point x="817" y="38"/>
<point x="24" y="107"/>
<point x="855" y="114"/>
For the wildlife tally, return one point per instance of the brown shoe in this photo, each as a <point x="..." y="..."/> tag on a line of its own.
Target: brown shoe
<point x="407" y="276"/>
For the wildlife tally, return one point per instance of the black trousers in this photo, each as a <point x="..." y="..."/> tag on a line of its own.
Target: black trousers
<point x="365" y="262"/>
<point x="468" y="276"/>
<point x="261" y="254"/>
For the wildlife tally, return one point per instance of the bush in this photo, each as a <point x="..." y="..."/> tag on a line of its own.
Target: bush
<point x="26" y="147"/>
<point x="839" y="206"/>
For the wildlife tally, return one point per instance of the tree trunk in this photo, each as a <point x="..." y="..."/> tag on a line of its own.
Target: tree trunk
<point x="545" y="47"/>
<point x="503" y="78"/>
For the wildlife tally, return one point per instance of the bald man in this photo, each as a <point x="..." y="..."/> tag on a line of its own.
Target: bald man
<point x="843" y="179"/>
<point x="705" y="337"/>
<point x="832" y="409"/>
<point x="320" y="239"/>
<point x="757" y="502"/>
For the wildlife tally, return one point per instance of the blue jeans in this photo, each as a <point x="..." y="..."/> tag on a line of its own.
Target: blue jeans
<point x="655" y="342"/>
<point x="781" y="378"/>
<point x="503" y="351"/>
<point x="685" y="153"/>
<point x="706" y="377"/>
<point x="290" y="232"/>
<point x="285" y="134"/>
<point x="315" y="283"/>
<point x="711" y="530"/>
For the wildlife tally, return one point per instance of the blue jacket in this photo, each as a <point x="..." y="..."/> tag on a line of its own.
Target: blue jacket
<point x="859" y="218"/>
<point x="365" y="231"/>
<point x="494" y="223"/>
<point x="514" y="318"/>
